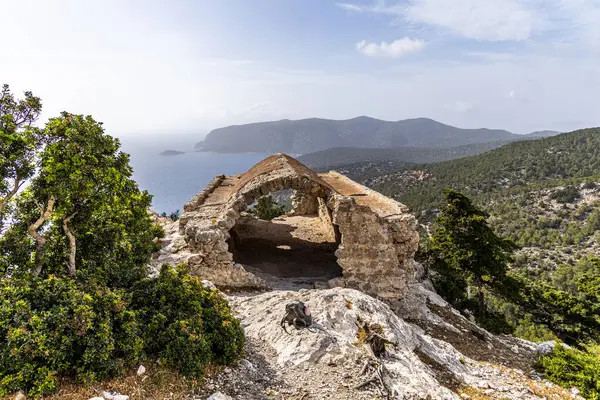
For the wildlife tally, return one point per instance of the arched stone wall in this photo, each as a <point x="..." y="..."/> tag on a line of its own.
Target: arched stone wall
<point x="376" y="247"/>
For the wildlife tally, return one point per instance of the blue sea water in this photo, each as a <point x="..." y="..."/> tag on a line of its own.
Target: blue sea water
<point x="173" y="180"/>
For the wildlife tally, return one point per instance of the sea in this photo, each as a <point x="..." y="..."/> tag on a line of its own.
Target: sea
<point x="173" y="180"/>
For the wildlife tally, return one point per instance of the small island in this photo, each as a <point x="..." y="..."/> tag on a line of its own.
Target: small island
<point x="170" y="153"/>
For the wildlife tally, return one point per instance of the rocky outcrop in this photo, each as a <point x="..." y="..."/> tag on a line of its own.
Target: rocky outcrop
<point x="439" y="354"/>
<point x="326" y="362"/>
<point x="377" y="235"/>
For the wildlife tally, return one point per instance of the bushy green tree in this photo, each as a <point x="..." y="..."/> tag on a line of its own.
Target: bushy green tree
<point x="266" y="208"/>
<point x="75" y="299"/>
<point x="19" y="142"/>
<point x="82" y="209"/>
<point x="465" y="251"/>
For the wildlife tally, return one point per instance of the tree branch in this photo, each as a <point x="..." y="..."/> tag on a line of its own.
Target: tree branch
<point x="40" y="240"/>
<point x="4" y="200"/>
<point x="72" y="246"/>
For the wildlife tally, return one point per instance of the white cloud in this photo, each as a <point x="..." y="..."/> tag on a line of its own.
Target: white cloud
<point x="491" y="56"/>
<point x="350" y="7"/>
<point x="396" y="49"/>
<point x="496" y="20"/>
<point x="492" y="20"/>
<point x="511" y="93"/>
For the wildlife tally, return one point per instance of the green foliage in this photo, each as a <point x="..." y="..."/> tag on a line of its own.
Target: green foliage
<point x="574" y="368"/>
<point x="19" y="141"/>
<point x="464" y="251"/>
<point x="266" y="208"/>
<point x="75" y="300"/>
<point x="572" y="317"/>
<point x="98" y="222"/>
<point x="527" y="329"/>
<point x="566" y="195"/>
<point x="186" y="325"/>
<point x="57" y="327"/>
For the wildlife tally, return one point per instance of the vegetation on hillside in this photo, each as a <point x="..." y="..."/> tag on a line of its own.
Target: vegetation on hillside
<point x="464" y="253"/>
<point x="75" y="299"/>
<point x="574" y="368"/>
<point x="518" y="164"/>
<point x="342" y="157"/>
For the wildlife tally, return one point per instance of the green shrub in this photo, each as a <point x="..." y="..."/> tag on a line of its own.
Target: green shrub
<point x="186" y="325"/>
<point x="574" y="368"/>
<point x="567" y="195"/>
<point x="266" y="208"/>
<point x="55" y="327"/>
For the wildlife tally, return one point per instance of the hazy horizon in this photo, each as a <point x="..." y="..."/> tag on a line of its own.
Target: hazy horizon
<point x="149" y="66"/>
<point x="196" y="136"/>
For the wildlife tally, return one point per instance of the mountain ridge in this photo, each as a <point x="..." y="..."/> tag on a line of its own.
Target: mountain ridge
<point x="316" y="134"/>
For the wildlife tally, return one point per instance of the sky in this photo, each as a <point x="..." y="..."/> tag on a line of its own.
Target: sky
<point x="159" y="67"/>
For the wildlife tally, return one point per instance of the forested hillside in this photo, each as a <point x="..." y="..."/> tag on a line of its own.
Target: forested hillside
<point x="343" y="156"/>
<point x="543" y="195"/>
<point x="545" y="162"/>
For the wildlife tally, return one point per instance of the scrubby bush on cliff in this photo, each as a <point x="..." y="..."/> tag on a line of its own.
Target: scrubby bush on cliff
<point x="574" y="368"/>
<point x="56" y="327"/>
<point x="186" y="325"/>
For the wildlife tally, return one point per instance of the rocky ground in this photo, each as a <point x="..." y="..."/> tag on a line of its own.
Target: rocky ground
<point x="326" y="363"/>
<point x="439" y="354"/>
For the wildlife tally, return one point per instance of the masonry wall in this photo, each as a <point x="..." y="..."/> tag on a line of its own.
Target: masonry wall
<point x="375" y="253"/>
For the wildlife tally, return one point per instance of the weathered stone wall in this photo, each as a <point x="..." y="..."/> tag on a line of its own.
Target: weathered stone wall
<point x="375" y="252"/>
<point x="199" y="197"/>
<point x="378" y="236"/>
<point x="304" y="204"/>
<point x="326" y="219"/>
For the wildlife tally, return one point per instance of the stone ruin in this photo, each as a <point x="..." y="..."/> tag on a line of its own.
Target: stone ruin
<point x="377" y="236"/>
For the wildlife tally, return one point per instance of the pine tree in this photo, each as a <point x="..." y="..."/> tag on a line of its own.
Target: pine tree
<point x="465" y="251"/>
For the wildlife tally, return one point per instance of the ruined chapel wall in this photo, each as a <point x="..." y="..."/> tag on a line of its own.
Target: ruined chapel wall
<point x="304" y="204"/>
<point x="201" y="196"/>
<point x="378" y="236"/>
<point x="326" y="219"/>
<point x="375" y="252"/>
<point x="207" y="226"/>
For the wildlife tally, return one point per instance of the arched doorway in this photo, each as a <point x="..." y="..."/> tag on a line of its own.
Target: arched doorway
<point x="294" y="250"/>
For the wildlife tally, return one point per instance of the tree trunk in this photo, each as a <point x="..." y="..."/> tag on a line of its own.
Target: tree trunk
<point x="4" y="200"/>
<point x="480" y="296"/>
<point x="40" y="241"/>
<point x="72" y="246"/>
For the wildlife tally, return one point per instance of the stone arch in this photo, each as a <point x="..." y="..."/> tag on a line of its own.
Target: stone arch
<point x="377" y="235"/>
